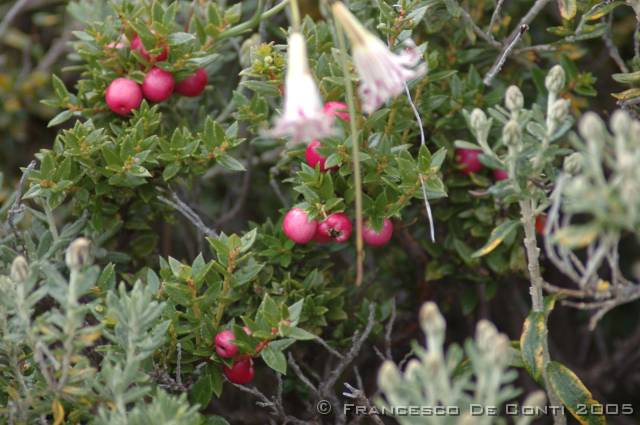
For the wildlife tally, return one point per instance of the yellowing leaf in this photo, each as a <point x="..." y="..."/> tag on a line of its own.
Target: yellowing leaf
<point x="576" y="236"/>
<point x="627" y="94"/>
<point x="568" y="8"/>
<point x="574" y="395"/>
<point x="534" y="331"/>
<point x="497" y="236"/>
<point x="58" y="412"/>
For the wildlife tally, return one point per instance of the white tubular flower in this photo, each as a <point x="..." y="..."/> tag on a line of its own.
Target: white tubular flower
<point x="303" y="118"/>
<point x="382" y="73"/>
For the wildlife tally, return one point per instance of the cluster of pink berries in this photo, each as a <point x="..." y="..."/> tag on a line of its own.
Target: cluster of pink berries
<point x="335" y="227"/>
<point x="469" y="159"/>
<point x="241" y="371"/>
<point x="124" y="95"/>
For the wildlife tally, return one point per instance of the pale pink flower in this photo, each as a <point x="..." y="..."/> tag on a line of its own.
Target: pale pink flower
<point x="303" y="118"/>
<point x="383" y="74"/>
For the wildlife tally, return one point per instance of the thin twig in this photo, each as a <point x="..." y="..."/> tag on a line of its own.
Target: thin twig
<point x="614" y="53"/>
<point x="514" y="38"/>
<point x="188" y="213"/>
<point x="494" y="18"/>
<point x="11" y="15"/>
<point x="360" y="397"/>
<point x="483" y="35"/>
<point x="389" y="331"/>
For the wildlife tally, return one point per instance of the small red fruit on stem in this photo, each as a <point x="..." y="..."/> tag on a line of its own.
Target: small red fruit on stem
<point x="224" y="344"/>
<point x="337" y="109"/>
<point x="500" y="175"/>
<point x="136" y="44"/>
<point x="378" y="238"/>
<point x="469" y="160"/>
<point x="541" y="222"/>
<point x="123" y="96"/>
<point x="241" y="372"/>
<point x="297" y="226"/>
<point x="194" y="84"/>
<point x="158" y="85"/>
<point x="314" y="158"/>
<point x="337" y="227"/>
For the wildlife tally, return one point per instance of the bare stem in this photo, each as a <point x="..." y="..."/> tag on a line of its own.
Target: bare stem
<point x="357" y="178"/>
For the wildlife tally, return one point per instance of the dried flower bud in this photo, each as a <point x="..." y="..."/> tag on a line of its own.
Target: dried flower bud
<point x="480" y="124"/>
<point x="431" y="320"/>
<point x="513" y="99"/>
<point x="485" y="335"/>
<point x="621" y="123"/>
<point x="501" y="346"/>
<point x="537" y="399"/>
<point x="412" y="371"/>
<point x="573" y="163"/>
<point x="511" y="133"/>
<point x="19" y="269"/>
<point x="77" y="255"/>
<point x="592" y="128"/>
<point x="560" y="110"/>
<point x="389" y="375"/>
<point x="555" y="79"/>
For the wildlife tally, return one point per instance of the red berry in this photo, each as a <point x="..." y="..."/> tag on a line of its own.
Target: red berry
<point x="381" y="238"/>
<point x="123" y="96"/>
<point x="158" y="85"/>
<point x="337" y="227"/>
<point x="194" y="84"/>
<point x="500" y="175"/>
<point x="241" y="372"/>
<point x="314" y="158"/>
<point x="136" y="44"/>
<point x="297" y="226"/>
<point x="469" y="159"/>
<point x="337" y="109"/>
<point x="224" y="344"/>
<point x="541" y="222"/>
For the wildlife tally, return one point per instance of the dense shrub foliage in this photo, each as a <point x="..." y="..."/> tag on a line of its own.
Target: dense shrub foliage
<point x="247" y="212"/>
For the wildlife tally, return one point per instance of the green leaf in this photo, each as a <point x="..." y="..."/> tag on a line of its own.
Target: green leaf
<point x="60" y="118"/>
<point x="230" y="163"/>
<point x="534" y="332"/>
<point x="202" y="391"/>
<point x="497" y="236"/>
<point x="574" y="395"/>
<point x="274" y="359"/>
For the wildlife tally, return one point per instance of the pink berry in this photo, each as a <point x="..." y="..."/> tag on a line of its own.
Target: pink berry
<point x="337" y="227"/>
<point x="500" y="175"/>
<point x="378" y="238"/>
<point x="224" y="344"/>
<point x="241" y="372"/>
<point x="158" y="85"/>
<point x="314" y="157"/>
<point x="298" y="227"/>
<point x="469" y="159"/>
<point x="123" y="96"/>
<point x="136" y="44"/>
<point x="337" y="109"/>
<point x="194" y="84"/>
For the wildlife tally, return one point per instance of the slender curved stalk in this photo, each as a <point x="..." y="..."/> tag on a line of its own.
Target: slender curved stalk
<point x="357" y="178"/>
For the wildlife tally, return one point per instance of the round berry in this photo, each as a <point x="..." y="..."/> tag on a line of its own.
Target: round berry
<point x="158" y="85"/>
<point x="469" y="159"/>
<point x="194" y="84"/>
<point x="500" y="175"/>
<point x="337" y="227"/>
<point x="123" y="96"/>
<point x="337" y="109"/>
<point x="314" y="158"/>
<point x="378" y="238"/>
<point x="297" y="226"/>
<point x="136" y="44"/>
<point x="224" y="344"/>
<point x="241" y="372"/>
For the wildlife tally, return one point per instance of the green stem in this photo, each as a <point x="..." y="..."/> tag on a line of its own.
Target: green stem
<point x="251" y="23"/>
<point x="295" y="16"/>
<point x="357" y="178"/>
<point x="51" y="220"/>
